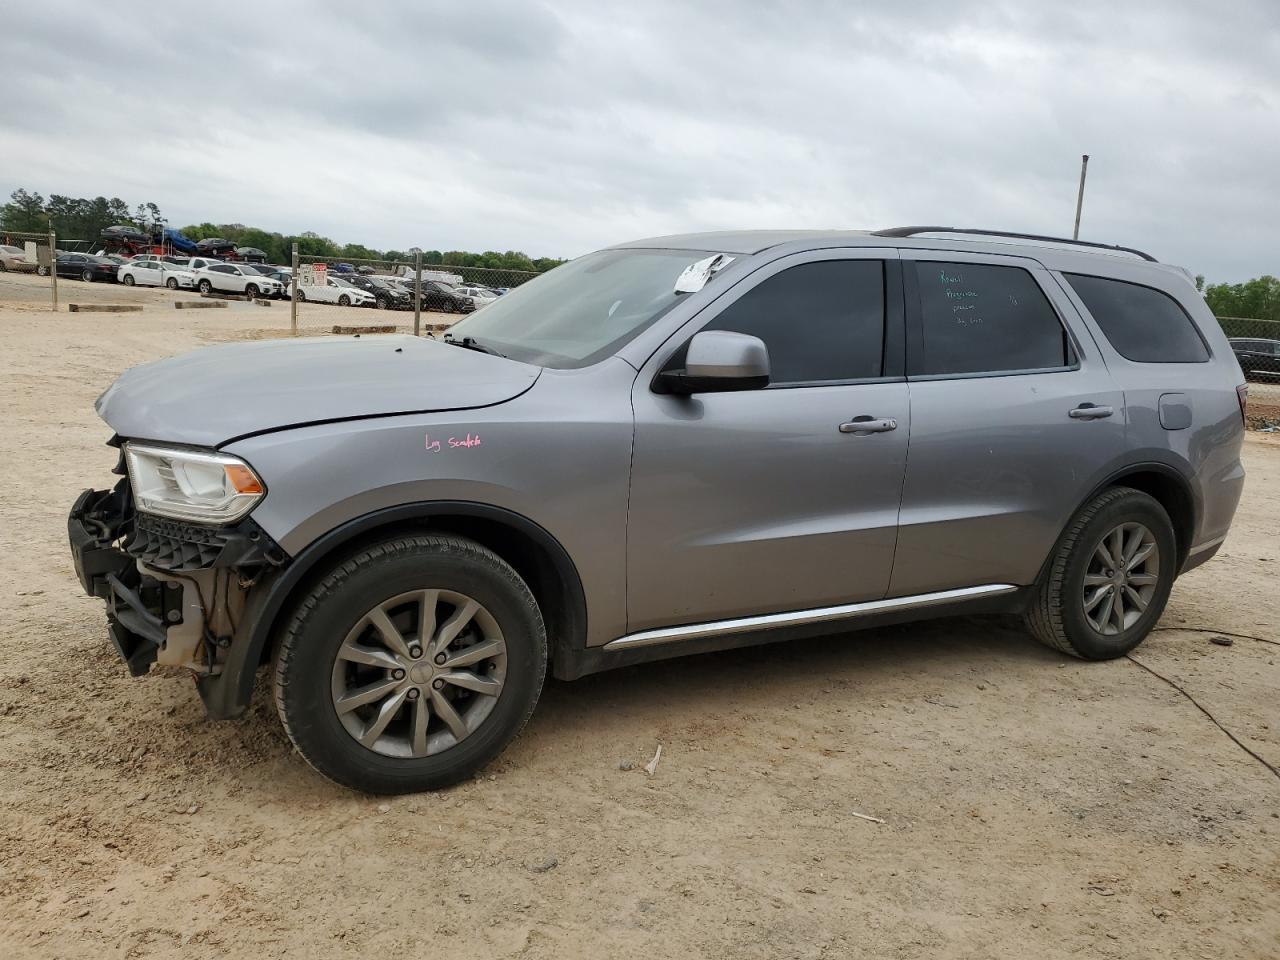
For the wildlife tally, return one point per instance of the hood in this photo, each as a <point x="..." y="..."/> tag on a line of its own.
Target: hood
<point x="218" y="394"/>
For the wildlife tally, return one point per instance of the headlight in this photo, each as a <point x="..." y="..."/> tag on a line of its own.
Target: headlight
<point x="189" y="485"/>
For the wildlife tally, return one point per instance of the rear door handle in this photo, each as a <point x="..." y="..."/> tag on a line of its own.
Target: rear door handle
<point x="1091" y="411"/>
<point x="869" y="425"/>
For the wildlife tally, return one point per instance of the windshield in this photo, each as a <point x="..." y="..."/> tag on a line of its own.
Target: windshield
<point x="582" y="311"/>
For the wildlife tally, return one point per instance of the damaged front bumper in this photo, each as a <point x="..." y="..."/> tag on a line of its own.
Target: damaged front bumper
<point x="175" y="591"/>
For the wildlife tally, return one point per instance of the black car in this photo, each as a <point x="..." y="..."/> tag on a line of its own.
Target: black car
<point x="86" y="266"/>
<point x="1257" y="357"/>
<point x="387" y="296"/>
<point x="442" y="298"/>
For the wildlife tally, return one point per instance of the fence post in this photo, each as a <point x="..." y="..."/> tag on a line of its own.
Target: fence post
<point x="53" y="268"/>
<point x="417" y="293"/>
<point x="293" y="295"/>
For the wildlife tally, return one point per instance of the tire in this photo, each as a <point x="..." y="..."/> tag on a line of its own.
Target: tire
<point x="171" y="283"/>
<point x="205" y="286"/>
<point x="128" y="280"/>
<point x="3" y="268"/>
<point x="1058" y="615"/>
<point x="301" y="295"/>
<point x="251" y="291"/>
<point x="310" y="676"/>
<point x="86" y="276"/>
<point x="42" y="271"/>
<point x="344" y="301"/>
<point x="379" y="303"/>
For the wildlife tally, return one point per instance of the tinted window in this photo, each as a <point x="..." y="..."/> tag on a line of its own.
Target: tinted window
<point x="1143" y="324"/>
<point x="982" y="318"/>
<point x="820" y="321"/>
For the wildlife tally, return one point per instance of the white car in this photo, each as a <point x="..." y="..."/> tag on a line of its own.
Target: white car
<point x="236" y="278"/>
<point x="481" y="295"/>
<point x="334" y="290"/>
<point x="150" y="271"/>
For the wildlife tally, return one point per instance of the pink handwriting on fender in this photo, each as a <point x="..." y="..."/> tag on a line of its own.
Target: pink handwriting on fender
<point x="470" y="440"/>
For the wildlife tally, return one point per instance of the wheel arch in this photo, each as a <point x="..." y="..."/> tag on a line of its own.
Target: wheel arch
<point x="1168" y="486"/>
<point x="531" y="550"/>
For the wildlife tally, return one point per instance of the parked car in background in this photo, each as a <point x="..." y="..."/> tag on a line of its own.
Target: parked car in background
<point x="334" y="290"/>
<point x="438" y="296"/>
<point x="15" y="259"/>
<point x="151" y="271"/>
<point x="198" y="263"/>
<point x="481" y="296"/>
<point x="86" y="266"/>
<point x="236" y="278"/>
<point x="1258" y="358"/>
<point x="281" y="275"/>
<point x="386" y="295"/>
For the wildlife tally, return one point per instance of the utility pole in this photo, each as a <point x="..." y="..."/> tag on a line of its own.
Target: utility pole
<point x="1084" y="168"/>
<point x="293" y="300"/>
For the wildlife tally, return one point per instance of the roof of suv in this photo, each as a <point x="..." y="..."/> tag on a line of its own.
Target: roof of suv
<point x="1054" y="253"/>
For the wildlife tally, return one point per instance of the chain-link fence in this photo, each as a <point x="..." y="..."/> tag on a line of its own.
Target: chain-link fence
<point x="346" y="295"/>
<point x="25" y="252"/>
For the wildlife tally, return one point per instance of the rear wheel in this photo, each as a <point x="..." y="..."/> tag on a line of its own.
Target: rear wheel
<point x="302" y="295"/>
<point x="206" y="286"/>
<point x="42" y="271"/>
<point x="410" y="665"/>
<point x="1109" y="579"/>
<point x="86" y="276"/>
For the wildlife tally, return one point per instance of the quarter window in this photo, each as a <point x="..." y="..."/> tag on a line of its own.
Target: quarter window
<point x="821" y="321"/>
<point x="1143" y="324"/>
<point x="984" y="318"/>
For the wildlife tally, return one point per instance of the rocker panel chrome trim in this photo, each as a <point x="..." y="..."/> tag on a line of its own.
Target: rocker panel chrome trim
<point x="845" y="611"/>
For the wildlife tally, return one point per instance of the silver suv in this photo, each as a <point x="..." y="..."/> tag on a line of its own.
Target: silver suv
<point x="665" y="447"/>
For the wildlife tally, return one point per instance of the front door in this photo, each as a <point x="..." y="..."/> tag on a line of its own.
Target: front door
<point x="772" y="500"/>
<point x="1014" y="420"/>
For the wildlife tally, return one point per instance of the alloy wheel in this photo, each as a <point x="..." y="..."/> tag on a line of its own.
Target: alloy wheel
<point x="1121" y="578"/>
<point x="419" y="673"/>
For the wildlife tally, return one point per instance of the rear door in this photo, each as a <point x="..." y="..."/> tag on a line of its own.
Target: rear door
<point x="1014" y="419"/>
<point x="767" y="500"/>
<point x="147" y="273"/>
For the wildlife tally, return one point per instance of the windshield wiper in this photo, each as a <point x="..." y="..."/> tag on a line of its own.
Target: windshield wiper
<point x="471" y="343"/>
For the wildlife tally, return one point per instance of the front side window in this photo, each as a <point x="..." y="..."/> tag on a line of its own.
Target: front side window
<point x="985" y="318"/>
<point x="1143" y="324"/>
<point x="821" y="321"/>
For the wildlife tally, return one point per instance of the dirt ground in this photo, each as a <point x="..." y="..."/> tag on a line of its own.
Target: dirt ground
<point x="1032" y="806"/>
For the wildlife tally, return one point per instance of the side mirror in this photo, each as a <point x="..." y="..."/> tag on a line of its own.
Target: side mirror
<point x="718" y="361"/>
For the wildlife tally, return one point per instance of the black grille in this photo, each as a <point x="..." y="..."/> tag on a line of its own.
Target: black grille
<point x="176" y="545"/>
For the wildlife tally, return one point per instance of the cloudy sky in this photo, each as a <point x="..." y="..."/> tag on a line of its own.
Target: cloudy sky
<point x="556" y="128"/>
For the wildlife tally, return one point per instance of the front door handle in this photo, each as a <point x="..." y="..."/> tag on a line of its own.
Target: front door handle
<point x="1090" y="411"/>
<point x="865" y="424"/>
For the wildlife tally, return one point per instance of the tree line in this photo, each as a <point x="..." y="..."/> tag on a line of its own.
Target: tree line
<point x="83" y="218"/>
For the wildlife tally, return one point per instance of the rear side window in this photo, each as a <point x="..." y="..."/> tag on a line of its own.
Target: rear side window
<point x="821" y="321"/>
<point x="1143" y="324"/>
<point x="983" y="318"/>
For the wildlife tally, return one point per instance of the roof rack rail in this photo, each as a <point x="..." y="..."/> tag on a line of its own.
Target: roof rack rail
<point x="912" y="231"/>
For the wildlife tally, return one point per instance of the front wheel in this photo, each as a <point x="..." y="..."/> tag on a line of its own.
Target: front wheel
<point x="251" y="291"/>
<point x="128" y="280"/>
<point x="410" y="665"/>
<point x="344" y="301"/>
<point x="206" y="286"/>
<point x="1109" y="578"/>
<point x="301" y="295"/>
<point x="42" y="271"/>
